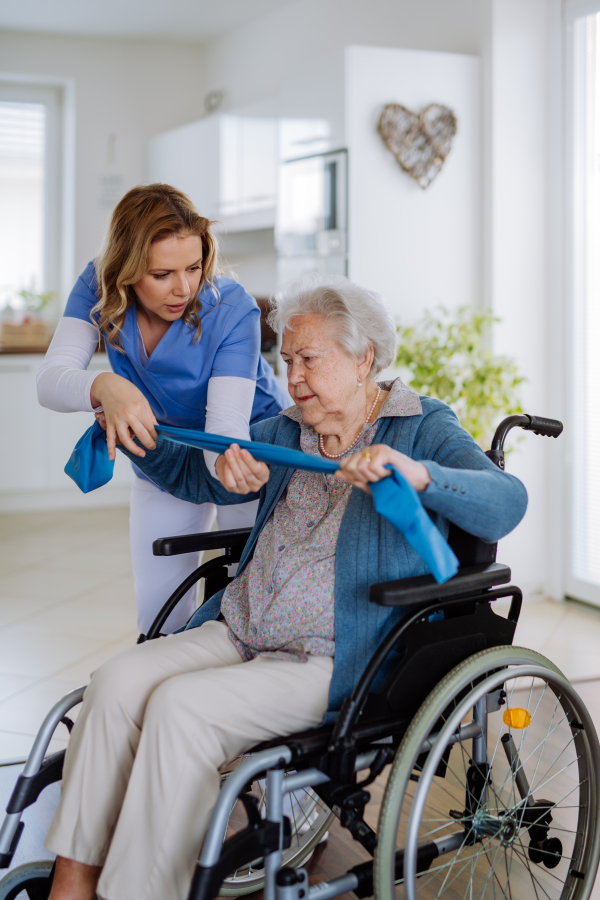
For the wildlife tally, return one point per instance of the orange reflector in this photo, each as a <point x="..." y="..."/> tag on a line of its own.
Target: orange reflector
<point x="517" y="718"/>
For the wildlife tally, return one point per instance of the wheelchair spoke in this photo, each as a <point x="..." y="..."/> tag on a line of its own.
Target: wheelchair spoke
<point x="536" y="881"/>
<point x="541" y="745"/>
<point x="499" y="827"/>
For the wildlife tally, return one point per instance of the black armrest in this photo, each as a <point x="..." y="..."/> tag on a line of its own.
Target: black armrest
<point x="234" y="539"/>
<point x="415" y="591"/>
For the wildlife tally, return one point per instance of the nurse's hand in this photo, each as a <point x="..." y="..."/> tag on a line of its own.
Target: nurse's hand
<point x="239" y="472"/>
<point x="127" y="413"/>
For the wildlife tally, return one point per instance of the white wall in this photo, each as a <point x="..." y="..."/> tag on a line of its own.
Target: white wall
<point x="418" y="248"/>
<point x="520" y="257"/>
<point x="127" y="88"/>
<point x="253" y="258"/>
<point x="291" y="62"/>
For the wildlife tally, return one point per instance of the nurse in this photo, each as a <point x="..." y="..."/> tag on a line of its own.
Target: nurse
<point x="184" y="345"/>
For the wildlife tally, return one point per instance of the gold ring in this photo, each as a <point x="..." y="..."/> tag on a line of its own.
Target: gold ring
<point x="367" y="455"/>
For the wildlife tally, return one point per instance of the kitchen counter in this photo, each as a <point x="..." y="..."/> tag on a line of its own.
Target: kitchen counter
<point x="18" y="351"/>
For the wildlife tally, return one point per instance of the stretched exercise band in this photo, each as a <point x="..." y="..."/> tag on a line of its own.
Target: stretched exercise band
<point x="395" y="498"/>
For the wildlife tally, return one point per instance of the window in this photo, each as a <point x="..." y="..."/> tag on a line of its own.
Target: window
<point x="583" y="574"/>
<point x="22" y="176"/>
<point x="32" y="213"/>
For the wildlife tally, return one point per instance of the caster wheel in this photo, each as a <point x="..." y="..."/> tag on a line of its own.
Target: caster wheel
<point x="552" y="852"/>
<point x="535" y="852"/>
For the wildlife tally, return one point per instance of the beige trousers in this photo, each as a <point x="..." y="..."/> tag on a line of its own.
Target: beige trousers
<point x="141" y="773"/>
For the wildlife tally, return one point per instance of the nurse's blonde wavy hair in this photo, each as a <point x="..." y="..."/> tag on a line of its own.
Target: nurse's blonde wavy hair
<point x="146" y="214"/>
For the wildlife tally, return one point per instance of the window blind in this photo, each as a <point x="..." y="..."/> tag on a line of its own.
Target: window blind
<point x="22" y="157"/>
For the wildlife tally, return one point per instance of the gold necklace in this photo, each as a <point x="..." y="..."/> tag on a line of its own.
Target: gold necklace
<point x="355" y="442"/>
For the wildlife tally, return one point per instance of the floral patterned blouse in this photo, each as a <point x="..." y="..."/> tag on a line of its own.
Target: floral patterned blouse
<point x="282" y="605"/>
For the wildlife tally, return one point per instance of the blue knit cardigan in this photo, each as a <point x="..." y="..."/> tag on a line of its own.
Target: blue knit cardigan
<point x="466" y="488"/>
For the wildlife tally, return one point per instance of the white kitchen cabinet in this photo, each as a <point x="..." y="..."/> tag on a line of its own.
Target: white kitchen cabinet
<point x="23" y="444"/>
<point x="226" y="164"/>
<point x="36" y="443"/>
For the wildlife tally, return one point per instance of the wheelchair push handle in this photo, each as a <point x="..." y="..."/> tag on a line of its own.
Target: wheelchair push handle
<point x="545" y="427"/>
<point x="537" y="424"/>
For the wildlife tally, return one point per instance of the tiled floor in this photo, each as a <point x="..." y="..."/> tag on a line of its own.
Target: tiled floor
<point x="66" y="603"/>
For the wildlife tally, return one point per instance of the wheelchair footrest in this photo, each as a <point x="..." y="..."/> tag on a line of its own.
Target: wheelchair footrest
<point x="28" y="788"/>
<point x="255" y="841"/>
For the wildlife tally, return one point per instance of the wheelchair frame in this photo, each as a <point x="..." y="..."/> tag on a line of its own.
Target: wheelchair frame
<point x="371" y="725"/>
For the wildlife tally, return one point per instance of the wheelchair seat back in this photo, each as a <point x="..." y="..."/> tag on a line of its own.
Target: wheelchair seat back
<point x="430" y="649"/>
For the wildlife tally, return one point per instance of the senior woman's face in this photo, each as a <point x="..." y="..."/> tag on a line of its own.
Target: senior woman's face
<point x="322" y="378"/>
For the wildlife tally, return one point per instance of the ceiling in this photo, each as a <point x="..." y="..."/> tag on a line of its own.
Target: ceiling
<point x="182" y="20"/>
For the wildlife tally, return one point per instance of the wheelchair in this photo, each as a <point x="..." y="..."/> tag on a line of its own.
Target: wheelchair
<point x="486" y="757"/>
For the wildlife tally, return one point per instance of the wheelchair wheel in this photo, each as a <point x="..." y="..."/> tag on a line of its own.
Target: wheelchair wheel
<point x="31" y="881"/>
<point x="310" y="819"/>
<point x="512" y="813"/>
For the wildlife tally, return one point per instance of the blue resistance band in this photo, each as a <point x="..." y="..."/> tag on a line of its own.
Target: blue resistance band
<point x="394" y="497"/>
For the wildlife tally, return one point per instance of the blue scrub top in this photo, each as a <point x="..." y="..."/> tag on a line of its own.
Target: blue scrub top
<point x="175" y="378"/>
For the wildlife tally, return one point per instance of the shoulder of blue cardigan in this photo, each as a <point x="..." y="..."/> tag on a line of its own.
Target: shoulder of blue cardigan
<point x="285" y="430"/>
<point x="278" y="429"/>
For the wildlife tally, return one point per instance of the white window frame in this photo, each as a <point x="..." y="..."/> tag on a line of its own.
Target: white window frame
<point x="575" y="268"/>
<point x="58" y="97"/>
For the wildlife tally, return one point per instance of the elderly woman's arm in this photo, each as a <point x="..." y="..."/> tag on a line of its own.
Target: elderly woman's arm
<point x="453" y="475"/>
<point x="182" y="472"/>
<point x="466" y="487"/>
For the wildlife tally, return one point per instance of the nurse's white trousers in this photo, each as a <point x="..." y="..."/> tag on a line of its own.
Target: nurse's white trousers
<point x="155" y="514"/>
<point x="158" y="720"/>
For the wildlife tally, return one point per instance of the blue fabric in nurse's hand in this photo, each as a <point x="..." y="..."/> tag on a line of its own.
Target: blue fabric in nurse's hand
<point x="89" y="465"/>
<point x="397" y="501"/>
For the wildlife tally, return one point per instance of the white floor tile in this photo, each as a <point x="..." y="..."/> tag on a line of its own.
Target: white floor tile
<point x="11" y="684"/>
<point x="79" y="673"/>
<point x="17" y="746"/>
<point x="91" y="615"/>
<point x="35" y="582"/>
<point x="18" y="609"/>
<point x="25" y="712"/>
<point x="25" y="651"/>
<point x="538" y="621"/>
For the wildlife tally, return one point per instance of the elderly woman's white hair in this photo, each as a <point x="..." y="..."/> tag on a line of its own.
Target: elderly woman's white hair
<point x="361" y="316"/>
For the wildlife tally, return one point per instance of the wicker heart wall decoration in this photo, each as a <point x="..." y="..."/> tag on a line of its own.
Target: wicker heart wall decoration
<point x="421" y="142"/>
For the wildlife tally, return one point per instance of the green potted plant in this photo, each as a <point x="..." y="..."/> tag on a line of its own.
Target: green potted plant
<point x="447" y="357"/>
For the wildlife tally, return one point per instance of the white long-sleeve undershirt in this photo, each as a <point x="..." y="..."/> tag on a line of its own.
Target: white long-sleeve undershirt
<point x="64" y="384"/>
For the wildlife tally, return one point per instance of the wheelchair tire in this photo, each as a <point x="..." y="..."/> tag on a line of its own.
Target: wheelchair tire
<point x="34" y="878"/>
<point x="484" y="840"/>
<point x="310" y="820"/>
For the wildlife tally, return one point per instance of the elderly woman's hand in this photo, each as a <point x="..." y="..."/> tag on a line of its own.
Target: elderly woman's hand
<point x="239" y="472"/>
<point x="369" y="465"/>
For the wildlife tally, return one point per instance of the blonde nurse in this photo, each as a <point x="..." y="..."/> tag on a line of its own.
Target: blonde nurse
<point x="184" y="346"/>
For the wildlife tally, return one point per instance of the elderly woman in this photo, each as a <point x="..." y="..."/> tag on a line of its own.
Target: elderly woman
<point x="158" y="721"/>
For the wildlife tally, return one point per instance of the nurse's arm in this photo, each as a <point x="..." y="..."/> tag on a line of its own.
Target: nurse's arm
<point x="182" y="472"/>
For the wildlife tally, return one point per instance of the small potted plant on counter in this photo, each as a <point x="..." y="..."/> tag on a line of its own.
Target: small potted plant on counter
<point x="25" y="328"/>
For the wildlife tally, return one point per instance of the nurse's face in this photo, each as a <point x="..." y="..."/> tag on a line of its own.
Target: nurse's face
<point x="173" y="276"/>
